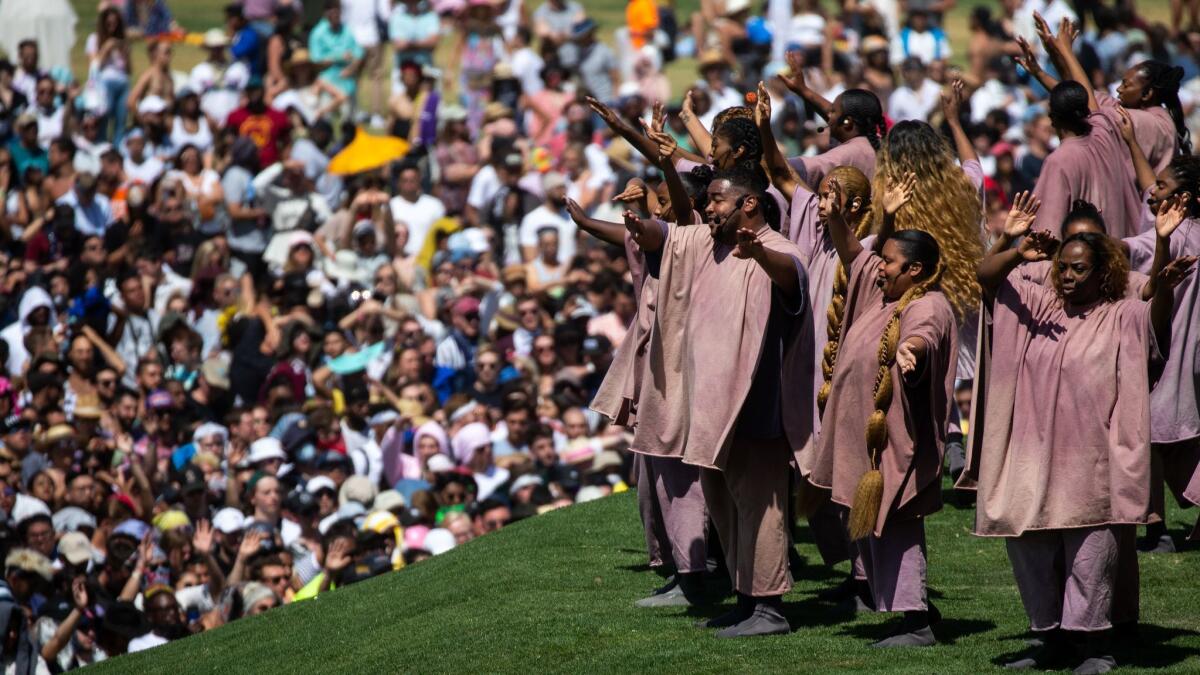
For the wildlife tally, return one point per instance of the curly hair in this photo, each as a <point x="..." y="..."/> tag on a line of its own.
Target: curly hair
<point x="1108" y="259"/>
<point x="944" y="204"/>
<point x="741" y="132"/>
<point x="737" y="111"/>
<point x="856" y="186"/>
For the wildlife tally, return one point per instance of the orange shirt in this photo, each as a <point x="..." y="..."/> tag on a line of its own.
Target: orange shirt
<point x="642" y="18"/>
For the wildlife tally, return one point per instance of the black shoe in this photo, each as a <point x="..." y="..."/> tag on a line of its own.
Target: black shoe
<point x="740" y="612"/>
<point x="766" y="619"/>
<point x="672" y="582"/>
<point x="921" y="637"/>
<point x="1049" y="651"/>
<point x="1095" y="654"/>
<point x="1162" y="544"/>
<point x="689" y="591"/>
<point x="1095" y="664"/>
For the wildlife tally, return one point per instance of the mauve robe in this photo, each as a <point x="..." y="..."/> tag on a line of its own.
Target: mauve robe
<point x="617" y="396"/>
<point x="1095" y="167"/>
<point x="856" y="152"/>
<point x="911" y="463"/>
<point x="705" y="345"/>
<point x="1152" y="127"/>
<point x="1065" y="437"/>
<point x="1175" y="399"/>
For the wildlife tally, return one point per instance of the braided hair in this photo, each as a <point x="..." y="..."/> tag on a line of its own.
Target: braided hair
<point x="863" y="108"/>
<point x="1186" y="170"/>
<point x="741" y="132"/>
<point x="856" y="186"/>
<point x="752" y="179"/>
<point x="696" y="183"/>
<point x="920" y="247"/>
<point x="1163" y="79"/>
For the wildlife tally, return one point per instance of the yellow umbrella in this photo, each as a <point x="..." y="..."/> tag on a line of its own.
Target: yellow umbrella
<point x="367" y="152"/>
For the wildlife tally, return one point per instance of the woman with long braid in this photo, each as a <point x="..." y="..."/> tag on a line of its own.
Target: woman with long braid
<point x="885" y="420"/>
<point x="1063" y="465"/>
<point x="827" y="296"/>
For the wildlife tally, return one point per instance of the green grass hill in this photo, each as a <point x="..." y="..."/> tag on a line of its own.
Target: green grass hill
<point x="556" y="593"/>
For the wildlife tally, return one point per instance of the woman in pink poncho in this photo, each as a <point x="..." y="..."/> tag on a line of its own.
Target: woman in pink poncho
<point x="1062" y="463"/>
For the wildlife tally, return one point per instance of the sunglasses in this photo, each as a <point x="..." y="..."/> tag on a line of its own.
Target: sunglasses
<point x="106" y="382"/>
<point x="489" y="366"/>
<point x="275" y="579"/>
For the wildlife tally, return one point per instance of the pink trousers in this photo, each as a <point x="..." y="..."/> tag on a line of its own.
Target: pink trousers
<point x="748" y="504"/>
<point x="1066" y="577"/>
<point x="895" y="567"/>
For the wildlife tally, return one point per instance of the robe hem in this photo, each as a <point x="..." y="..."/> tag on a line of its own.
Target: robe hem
<point x="1147" y="521"/>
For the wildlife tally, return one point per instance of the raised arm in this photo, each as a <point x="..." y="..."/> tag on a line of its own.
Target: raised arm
<point x="1028" y="60"/>
<point x="999" y="262"/>
<point x="795" y="81"/>
<point x="609" y="233"/>
<point x="1171" y="213"/>
<point x="783" y="176"/>
<point x="648" y="235"/>
<point x="1141" y="166"/>
<point x="833" y="203"/>
<point x="701" y="138"/>
<point x="778" y="265"/>
<point x="1060" y="49"/>
<point x="952" y="98"/>
<point x="1163" y="303"/>
<point x="681" y="201"/>
<point x="895" y="196"/>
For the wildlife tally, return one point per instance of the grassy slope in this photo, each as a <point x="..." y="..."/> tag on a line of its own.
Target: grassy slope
<point x="555" y="594"/>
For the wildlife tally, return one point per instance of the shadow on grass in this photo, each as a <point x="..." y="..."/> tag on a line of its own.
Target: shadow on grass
<point x="1149" y="649"/>
<point x="948" y="631"/>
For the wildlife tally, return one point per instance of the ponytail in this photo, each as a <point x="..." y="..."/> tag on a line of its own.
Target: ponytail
<point x="1164" y="81"/>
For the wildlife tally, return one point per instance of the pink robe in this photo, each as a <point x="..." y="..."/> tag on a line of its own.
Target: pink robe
<point x="856" y="152"/>
<point x="917" y="418"/>
<point x="1153" y="128"/>
<point x="1175" y="399"/>
<point x="705" y="345"/>
<point x="617" y="396"/>
<point x="1097" y="168"/>
<point x="1064" y="441"/>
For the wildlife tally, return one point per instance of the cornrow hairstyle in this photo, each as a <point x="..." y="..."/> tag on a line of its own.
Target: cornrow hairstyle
<point x="1109" y="260"/>
<point x="1069" y="107"/>
<point x="1163" y="79"/>
<point x="855" y="185"/>
<point x="741" y="132"/>
<point x="864" y="109"/>
<point x="1081" y="209"/>
<point x="864" y="512"/>
<point x="1186" y="170"/>
<point x="727" y="114"/>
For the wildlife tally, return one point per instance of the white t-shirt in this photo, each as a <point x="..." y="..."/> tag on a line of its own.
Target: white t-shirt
<point x="147" y="641"/>
<point x="484" y="187"/>
<point x="419" y="216"/>
<point x="906" y="104"/>
<point x="147" y="172"/>
<point x="527" y="68"/>
<point x="360" y="17"/>
<point x="544" y="216"/>
<point x="806" y="30"/>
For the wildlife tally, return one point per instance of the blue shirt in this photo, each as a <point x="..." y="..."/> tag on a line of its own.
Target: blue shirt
<point x="327" y="45"/>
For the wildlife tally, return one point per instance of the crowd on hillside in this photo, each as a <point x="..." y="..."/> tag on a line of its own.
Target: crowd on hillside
<point x="232" y="380"/>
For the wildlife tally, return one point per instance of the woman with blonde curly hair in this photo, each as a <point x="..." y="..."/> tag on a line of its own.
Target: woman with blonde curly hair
<point x="1062" y="464"/>
<point x="885" y="421"/>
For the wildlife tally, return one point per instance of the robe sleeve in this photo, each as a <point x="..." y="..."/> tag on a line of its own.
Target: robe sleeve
<point x="1055" y="192"/>
<point x="1027" y="300"/>
<point x="932" y="322"/>
<point x="861" y="287"/>
<point x="653" y="259"/>
<point x="1141" y="249"/>
<point x="1137" y="330"/>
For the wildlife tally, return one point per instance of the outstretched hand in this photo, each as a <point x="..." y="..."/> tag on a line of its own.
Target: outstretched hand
<point x="762" y="107"/>
<point x="906" y="358"/>
<point x="794" y="80"/>
<point x="748" y="245"/>
<point x="1027" y="59"/>
<point x="952" y="98"/>
<point x="1176" y="271"/>
<point x="899" y="193"/>
<point x="1126" y="123"/>
<point x="634" y="225"/>
<point x="1022" y="214"/>
<point x="575" y="211"/>
<point x="658" y="116"/>
<point x="1043" y="32"/>
<point x="1171" y="212"/>
<point x="606" y="113"/>
<point x="634" y="190"/>
<point x="1038" y="246"/>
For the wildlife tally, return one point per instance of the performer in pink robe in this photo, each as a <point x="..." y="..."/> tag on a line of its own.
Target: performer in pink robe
<point x="723" y="356"/>
<point x="1062" y="461"/>
<point x="1091" y="163"/>
<point x="1175" y="399"/>
<point x="898" y="325"/>
<point x="672" y="502"/>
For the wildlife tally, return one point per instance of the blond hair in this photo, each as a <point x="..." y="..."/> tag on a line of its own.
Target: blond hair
<point x="944" y="204"/>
